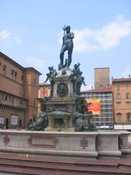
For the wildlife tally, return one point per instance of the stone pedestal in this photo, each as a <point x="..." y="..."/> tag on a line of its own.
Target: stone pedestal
<point x="62" y="104"/>
<point x="59" y="121"/>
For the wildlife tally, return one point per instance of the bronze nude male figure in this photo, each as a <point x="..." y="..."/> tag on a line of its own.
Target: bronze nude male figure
<point x="67" y="45"/>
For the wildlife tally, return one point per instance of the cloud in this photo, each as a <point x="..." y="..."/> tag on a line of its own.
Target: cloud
<point x="106" y="37"/>
<point x="4" y="34"/>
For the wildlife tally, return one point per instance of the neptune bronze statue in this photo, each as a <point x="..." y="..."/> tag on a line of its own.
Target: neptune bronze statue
<point x="67" y="45"/>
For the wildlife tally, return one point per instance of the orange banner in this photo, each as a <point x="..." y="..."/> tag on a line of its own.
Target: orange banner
<point x="94" y="106"/>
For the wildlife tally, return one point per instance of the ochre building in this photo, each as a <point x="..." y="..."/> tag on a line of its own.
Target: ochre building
<point x="122" y="100"/>
<point x="43" y="92"/>
<point x="18" y="93"/>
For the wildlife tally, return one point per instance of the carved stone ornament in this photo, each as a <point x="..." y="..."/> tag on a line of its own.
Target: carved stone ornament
<point x="62" y="90"/>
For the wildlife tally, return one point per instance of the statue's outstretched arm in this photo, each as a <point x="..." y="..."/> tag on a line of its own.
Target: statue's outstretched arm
<point x="47" y="78"/>
<point x="72" y="35"/>
<point x="84" y="83"/>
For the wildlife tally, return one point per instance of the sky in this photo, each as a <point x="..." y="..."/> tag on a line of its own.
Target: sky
<point x="31" y="34"/>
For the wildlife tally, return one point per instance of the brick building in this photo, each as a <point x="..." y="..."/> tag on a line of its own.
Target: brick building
<point x="122" y="101"/>
<point x="18" y="93"/>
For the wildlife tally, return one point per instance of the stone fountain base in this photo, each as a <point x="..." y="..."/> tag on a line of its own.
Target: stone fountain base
<point x="87" y="144"/>
<point x="64" y="153"/>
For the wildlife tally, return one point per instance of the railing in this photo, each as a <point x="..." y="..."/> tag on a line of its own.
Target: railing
<point x="15" y="105"/>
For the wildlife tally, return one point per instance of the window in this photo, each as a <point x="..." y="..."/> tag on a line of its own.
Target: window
<point x="13" y="74"/>
<point x="129" y="117"/>
<point x="35" y="81"/>
<point x="6" y="97"/>
<point x="7" y="123"/>
<point x="118" y="87"/>
<point x="11" y="99"/>
<point x="22" y="77"/>
<point x="118" y="95"/>
<point x="119" y="117"/>
<point x="2" y="96"/>
<point x="21" y="101"/>
<point x="20" y="123"/>
<point x="128" y="95"/>
<point x="2" y="120"/>
<point x="14" y="120"/>
<point x="5" y="69"/>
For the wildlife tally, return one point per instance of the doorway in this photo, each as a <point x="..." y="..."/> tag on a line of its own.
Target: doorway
<point x="7" y="123"/>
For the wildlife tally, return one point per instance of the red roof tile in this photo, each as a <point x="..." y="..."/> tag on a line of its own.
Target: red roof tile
<point x="101" y="90"/>
<point x="121" y="80"/>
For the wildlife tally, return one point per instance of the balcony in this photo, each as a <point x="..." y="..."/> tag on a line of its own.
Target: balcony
<point x="13" y="105"/>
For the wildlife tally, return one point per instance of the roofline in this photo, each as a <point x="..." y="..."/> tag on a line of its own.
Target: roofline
<point x="33" y="69"/>
<point x="98" y="91"/>
<point x="102" y="68"/>
<point x="44" y="84"/>
<point x="121" y="80"/>
<point x="11" y="60"/>
<point x="17" y="64"/>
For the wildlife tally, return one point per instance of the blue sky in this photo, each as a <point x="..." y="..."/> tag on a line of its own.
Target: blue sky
<point x="30" y="33"/>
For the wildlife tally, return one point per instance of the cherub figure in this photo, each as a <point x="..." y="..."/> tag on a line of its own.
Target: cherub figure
<point x="51" y="77"/>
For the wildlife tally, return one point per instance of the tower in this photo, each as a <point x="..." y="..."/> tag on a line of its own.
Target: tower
<point x="102" y="77"/>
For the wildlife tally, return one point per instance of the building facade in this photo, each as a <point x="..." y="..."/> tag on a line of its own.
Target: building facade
<point x="102" y="77"/>
<point x="18" y="93"/>
<point x="103" y="118"/>
<point x="122" y="102"/>
<point x="44" y="91"/>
